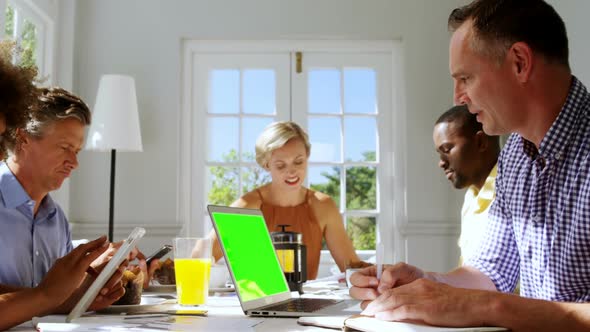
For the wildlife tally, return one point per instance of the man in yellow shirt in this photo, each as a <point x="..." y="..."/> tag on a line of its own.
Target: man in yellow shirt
<point x="468" y="157"/>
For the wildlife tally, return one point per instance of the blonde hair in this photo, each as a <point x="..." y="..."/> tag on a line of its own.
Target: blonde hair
<point x="275" y="136"/>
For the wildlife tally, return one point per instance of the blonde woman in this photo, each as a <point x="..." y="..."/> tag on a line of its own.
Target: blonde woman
<point x="283" y="149"/>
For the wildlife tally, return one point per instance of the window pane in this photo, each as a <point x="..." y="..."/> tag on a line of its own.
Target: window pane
<point x="222" y="139"/>
<point x="224" y="92"/>
<point x="9" y="25"/>
<point x="359" y="91"/>
<point x="361" y="188"/>
<point x="360" y="140"/>
<point x="222" y="185"/>
<point x="325" y="136"/>
<point x="362" y="232"/>
<point x="251" y="129"/>
<point x="325" y="179"/>
<point x="253" y="177"/>
<point x="259" y="91"/>
<point x="29" y="44"/>
<point x="324" y="91"/>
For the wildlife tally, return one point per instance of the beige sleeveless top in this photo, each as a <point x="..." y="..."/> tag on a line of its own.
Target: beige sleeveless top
<point x="301" y="220"/>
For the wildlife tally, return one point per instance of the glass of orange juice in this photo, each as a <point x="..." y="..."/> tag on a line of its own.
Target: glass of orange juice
<point x="192" y="266"/>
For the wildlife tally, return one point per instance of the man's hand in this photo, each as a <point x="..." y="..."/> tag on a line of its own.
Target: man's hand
<point x="135" y="253"/>
<point x="148" y="271"/>
<point x="109" y="253"/>
<point x="68" y="272"/>
<point x="430" y="302"/>
<point x="111" y="291"/>
<point x="366" y="286"/>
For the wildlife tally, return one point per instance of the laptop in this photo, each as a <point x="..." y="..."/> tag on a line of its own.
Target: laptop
<point x="256" y="272"/>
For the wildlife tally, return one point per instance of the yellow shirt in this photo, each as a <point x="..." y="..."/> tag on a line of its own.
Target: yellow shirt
<point x="474" y="214"/>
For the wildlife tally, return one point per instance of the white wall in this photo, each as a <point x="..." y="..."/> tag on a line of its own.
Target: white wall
<point x="574" y="13"/>
<point x="142" y="38"/>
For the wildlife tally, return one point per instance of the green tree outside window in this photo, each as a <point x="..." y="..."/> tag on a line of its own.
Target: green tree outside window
<point x="224" y="186"/>
<point x="27" y="42"/>
<point x="361" y="188"/>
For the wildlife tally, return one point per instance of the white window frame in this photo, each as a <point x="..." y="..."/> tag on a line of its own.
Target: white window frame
<point x="202" y="63"/>
<point x="191" y="211"/>
<point x="45" y="32"/>
<point x="360" y="58"/>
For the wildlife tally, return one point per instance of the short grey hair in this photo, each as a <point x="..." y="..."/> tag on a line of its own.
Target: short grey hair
<point x="54" y="104"/>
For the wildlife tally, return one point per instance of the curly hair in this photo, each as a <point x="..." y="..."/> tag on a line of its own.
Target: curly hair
<point x="17" y="93"/>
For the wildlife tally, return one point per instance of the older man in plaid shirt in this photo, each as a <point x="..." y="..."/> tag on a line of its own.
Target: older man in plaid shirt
<point x="509" y="61"/>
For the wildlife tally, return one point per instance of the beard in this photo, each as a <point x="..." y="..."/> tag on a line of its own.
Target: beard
<point x="459" y="181"/>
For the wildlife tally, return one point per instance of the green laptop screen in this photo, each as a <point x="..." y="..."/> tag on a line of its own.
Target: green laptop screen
<point x="250" y="254"/>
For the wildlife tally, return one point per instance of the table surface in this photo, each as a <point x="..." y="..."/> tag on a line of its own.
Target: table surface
<point x="224" y="314"/>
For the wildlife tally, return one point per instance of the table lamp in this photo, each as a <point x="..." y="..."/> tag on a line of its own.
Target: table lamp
<point x="115" y="125"/>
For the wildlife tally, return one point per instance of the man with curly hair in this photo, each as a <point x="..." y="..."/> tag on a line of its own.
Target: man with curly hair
<point x="64" y="283"/>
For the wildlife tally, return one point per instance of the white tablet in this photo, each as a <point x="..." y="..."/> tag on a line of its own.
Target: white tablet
<point x="106" y="274"/>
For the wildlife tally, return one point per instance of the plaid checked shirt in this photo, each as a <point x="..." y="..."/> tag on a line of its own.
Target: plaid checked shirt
<point x="539" y="227"/>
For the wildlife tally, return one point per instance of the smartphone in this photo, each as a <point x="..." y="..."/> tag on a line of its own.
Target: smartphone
<point x="159" y="254"/>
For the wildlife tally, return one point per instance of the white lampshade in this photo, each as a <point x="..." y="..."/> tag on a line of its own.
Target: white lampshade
<point x="115" y="120"/>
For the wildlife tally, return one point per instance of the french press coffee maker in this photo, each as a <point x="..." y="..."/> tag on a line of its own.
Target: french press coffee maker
<point x="292" y="256"/>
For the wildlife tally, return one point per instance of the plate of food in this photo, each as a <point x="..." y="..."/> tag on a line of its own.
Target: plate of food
<point x="164" y="278"/>
<point x="133" y="283"/>
<point x="146" y="302"/>
<point x="157" y="288"/>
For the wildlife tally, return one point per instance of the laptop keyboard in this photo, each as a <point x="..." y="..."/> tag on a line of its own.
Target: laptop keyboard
<point x="301" y="305"/>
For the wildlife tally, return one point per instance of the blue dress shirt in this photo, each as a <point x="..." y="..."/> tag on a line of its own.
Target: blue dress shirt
<point x="29" y="245"/>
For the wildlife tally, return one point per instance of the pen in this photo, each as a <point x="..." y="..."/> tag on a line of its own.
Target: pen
<point x="128" y="317"/>
<point x="379" y="260"/>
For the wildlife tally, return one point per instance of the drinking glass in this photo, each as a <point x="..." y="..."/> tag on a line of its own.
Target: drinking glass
<point x="192" y="266"/>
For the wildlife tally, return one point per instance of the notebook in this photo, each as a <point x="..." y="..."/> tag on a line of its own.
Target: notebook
<point x="255" y="270"/>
